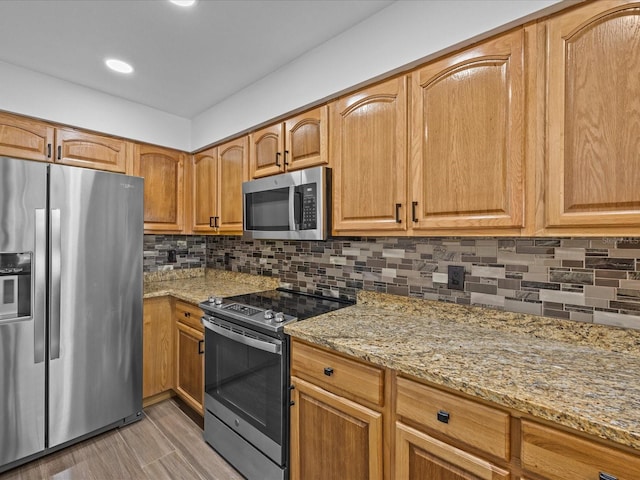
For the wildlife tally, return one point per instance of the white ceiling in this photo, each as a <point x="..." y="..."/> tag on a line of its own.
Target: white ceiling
<point x="185" y="60"/>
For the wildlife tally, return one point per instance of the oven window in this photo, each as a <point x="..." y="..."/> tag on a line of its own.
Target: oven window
<point x="268" y="210"/>
<point x="248" y="381"/>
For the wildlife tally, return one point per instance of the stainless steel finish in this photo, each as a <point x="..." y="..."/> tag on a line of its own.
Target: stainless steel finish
<point x="40" y="284"/>
<point x="22" y="380"/>
<point x="97" y="380"/>
<point x="292" y="213"/>
<point x="54" y="280"/>
<point x="273" y="346"/>
<point x="8" y="296"/>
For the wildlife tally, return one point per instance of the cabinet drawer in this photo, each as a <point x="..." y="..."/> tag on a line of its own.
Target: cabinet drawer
<point x="559" y="455"/>
<point x="189" y="315"/>
<point x="338" y="374"/>
<point x="477" y="425"/>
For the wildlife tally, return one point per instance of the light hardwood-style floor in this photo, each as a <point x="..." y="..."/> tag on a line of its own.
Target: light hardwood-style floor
<point x="166" y="444"/>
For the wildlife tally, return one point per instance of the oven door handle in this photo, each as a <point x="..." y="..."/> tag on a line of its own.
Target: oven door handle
<point x="251" y="342"/>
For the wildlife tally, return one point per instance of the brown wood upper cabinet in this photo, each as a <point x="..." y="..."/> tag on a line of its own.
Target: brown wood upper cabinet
<point x="163" y="172"/>
<point x="22" y="137"/>
<point x="216" y="181"/>
<point x="81" y="149"/>
<point x="368" y="142"/>
<point x="299" y="142"/>
<point x="467" y="140"/>
<point x="593" y="166"/>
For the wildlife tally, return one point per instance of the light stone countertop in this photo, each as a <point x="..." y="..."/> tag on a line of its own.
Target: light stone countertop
<point x="582" y="376"/>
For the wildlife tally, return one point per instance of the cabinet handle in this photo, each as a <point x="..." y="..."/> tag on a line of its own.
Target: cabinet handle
<point x="215" y="222"/>
<point x="606" y="476"/>
<point x="328" y="371"/>
<point x="285" y="157"/>
<point x="212" y="222"/>
<point x="200" y="347"/>
<point x="48" y="150"/>
<point x="187" y="314"/>
<point x="413" y="211"/>
<point x="277" y="159"/>
<point x="59" y="152"/>
<point x="398" y="220"/>
<point x="443" y="416"/>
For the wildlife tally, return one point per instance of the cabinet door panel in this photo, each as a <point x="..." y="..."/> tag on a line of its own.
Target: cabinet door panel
<point x="368" y="145"/>
<point x="190" y="366"/>
<point x="468" y="139"/>
<point x="82" y="149"/>
<point x="158" y="352"/>
<point x="267" y="151"/>
<point x="25" y="138"/>
<point x="306" y="139"/>
<point x="593" y="174"/>
<point x="204" y="194"/>
<point x="232" y="171"/>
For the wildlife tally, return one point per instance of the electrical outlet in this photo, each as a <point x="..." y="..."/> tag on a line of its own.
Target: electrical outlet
<point x="172" y="256"/>
<point x="456" y="277"/>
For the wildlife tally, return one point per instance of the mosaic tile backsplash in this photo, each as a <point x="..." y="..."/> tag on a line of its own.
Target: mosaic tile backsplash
<point x="588" y="280"/>
<point x="190" y="252"/>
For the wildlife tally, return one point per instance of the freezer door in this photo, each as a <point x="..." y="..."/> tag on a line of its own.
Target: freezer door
<point x="95" y="337"/>
<point x="22" y="367"/>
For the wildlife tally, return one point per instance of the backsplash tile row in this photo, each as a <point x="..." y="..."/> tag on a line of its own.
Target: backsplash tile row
<point x="589" y="280"/>
<point x="191" y="252"/>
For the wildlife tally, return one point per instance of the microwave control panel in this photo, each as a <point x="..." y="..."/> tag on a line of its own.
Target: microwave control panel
<point x="309" y="207"/>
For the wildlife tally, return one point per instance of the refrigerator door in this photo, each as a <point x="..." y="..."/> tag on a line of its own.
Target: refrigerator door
<point x="22" y="368"/>
<point x="95" y="338"/>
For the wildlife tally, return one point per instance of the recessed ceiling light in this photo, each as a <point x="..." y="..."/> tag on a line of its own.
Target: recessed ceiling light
<point x="183" y="3"/>
<point x="118" y="65"/>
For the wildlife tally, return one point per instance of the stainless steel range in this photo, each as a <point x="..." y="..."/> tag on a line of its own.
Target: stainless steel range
<point x="247" y="376"/>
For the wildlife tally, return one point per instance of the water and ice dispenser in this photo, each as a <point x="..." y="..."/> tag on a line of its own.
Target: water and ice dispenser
<point x="15" y="285"/>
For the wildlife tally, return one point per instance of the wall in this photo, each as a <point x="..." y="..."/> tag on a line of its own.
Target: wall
<point x="590" y="280"/>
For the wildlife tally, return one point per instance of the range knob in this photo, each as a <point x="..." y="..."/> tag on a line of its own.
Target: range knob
<point x="279" y="317"/>
<point x="268" y="314"/>
<point x="218" y="301"/>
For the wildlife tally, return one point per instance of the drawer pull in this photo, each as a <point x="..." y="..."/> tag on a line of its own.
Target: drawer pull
<point x="606" y="476"/>
<point x="444" y="417"/>
<point x="187" y="314"/>
<point x="328" y="371"/>
<point x="200" y="347"/>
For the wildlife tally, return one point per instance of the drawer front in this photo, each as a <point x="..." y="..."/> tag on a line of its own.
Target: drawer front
<point x="189" y="315"/>
<point x="338" y="374"/>
<point x="477" y="425"/>
<point x="559" y="455"/>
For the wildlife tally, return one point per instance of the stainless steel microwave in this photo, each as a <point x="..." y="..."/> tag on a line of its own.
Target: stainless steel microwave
<point x="289" y="206"/>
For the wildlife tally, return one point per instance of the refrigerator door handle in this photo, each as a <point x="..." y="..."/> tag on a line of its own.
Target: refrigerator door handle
<point x="54" y="301"/>
<point x="39" y="296"/>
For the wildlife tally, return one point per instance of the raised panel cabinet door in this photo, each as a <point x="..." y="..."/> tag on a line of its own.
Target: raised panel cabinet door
<point x="468" y="140"/>
<point x="306" y="137"/>
<point x="190" y="366"/>
<point x="593" y="129"/>
<point x="204" y="191"/>
<point x="158" y="350"/>
<point x="422" y="457"/>
<point x="332" y="437"/>
<point x="368" y="142"/>
<point x="267" y="151"/>
<point x="163" y="172"/>
<point x="82" y="149"/>
<point x="25" y="138"/>
<point x="232" y="171"/>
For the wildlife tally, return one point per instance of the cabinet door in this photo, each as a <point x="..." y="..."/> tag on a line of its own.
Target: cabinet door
<point x="421" y="457"/>
<point x="593" y="129"/>
<point x="332" y="437"/>
<point x="204" y="191"/>
<point x="25" y="138"/>
<point x="163" y="172"/>
<point x="190" y="366"/>
<point x="267" y="151"/>
<point x="468" y="140"/>
<point x="306" y="137"/>
<point x="158" y="352"/>
<point x="82" y="149"/>
<point x="232" y="171"/>
<point x="368" y="132"/>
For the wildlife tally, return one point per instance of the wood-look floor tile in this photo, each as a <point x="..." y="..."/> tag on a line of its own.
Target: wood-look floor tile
<point x="170" y="467"/>
<point x="146" y="441"/>
<point x="110" y="458"/>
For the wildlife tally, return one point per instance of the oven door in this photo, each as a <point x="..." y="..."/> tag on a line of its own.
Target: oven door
<point x="246" y="384"/>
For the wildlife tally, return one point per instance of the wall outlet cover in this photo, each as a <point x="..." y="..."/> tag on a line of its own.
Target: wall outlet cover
<point x="456" y="277"/>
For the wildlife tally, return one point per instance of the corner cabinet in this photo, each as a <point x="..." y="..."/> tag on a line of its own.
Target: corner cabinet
<point x="163" y="172"/>
<point x="299" y="142"/>
<point x="592" y="180"/>
<point x="467" y="141"/>
<point x="189" y="355"/>
<point x="216" y="188"/>
<point x="158" y="350"/>
<point x="368" y="143"/>
<point x="25" y="138"/>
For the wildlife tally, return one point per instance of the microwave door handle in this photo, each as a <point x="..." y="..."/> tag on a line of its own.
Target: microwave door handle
<point x="292" y="208"/>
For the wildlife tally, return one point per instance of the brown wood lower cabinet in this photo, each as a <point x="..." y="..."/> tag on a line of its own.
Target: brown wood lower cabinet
<point x="333" y="437"/>
<point x="189" y="356"/>
<point x="158" y="349"/>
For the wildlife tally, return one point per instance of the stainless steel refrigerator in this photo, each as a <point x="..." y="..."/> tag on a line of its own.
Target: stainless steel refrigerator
<point x="70" y="305"/>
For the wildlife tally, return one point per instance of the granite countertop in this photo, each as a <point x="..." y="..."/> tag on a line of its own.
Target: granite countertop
<point x="194" y="289"/>
<point x="582" y="376"/>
